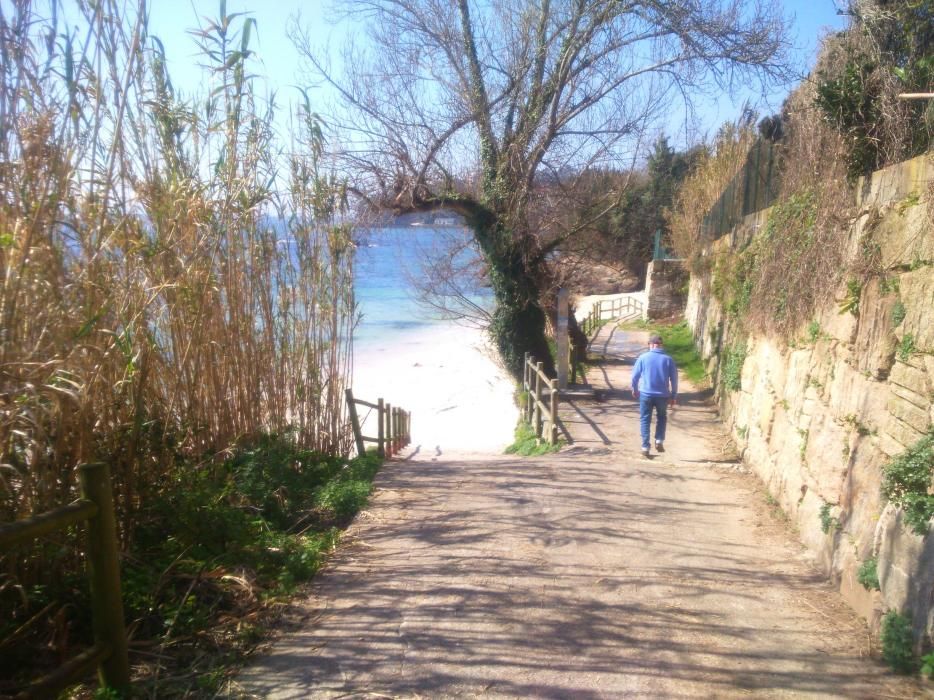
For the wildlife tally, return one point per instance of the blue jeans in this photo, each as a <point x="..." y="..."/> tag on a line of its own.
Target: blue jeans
<point x="645" y="417"/>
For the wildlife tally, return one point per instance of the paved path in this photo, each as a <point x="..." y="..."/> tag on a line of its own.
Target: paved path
<point x="592" y="573"/>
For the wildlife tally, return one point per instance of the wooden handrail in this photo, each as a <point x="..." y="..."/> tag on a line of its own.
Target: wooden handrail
<point x="109" y="652"/>
<point x="538" y="413"/>
<point x="394" y="426"/>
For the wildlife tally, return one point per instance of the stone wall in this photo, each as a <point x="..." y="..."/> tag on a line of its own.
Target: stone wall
<point x="818" y="418"/>
<point x="665" y="284"/>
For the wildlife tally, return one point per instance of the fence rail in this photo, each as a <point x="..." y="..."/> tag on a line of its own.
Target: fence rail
<point x="109" y="653"/>
<point x="394" y="426"/>
<point x="542" y="416"/>
<point x="609" y="310"/>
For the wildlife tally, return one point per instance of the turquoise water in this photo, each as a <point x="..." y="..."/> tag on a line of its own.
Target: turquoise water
<point x="389" y="261"/>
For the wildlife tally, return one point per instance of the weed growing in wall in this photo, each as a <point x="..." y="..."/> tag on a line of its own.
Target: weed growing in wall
<point x="733" y="359"/>
<point x="897" y="642"/>
<point x="828" y="523"/>
<point x="906" y="481"/>
<point x="868" y="575"/>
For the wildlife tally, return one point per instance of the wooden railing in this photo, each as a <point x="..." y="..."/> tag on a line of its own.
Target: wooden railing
<point x="609" y="310"/>
<point x="109" y="653"/>
<point x="542" y="416"/>
<point x="393" y="431"/>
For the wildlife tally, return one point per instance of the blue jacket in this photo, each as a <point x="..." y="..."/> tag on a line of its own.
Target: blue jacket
<point x="653" y="372"/>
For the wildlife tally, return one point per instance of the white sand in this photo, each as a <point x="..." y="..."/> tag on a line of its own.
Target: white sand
<point x="460" y="399"/>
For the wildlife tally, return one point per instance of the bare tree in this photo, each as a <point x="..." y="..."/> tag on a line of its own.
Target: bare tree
<point x="469" y="105"/>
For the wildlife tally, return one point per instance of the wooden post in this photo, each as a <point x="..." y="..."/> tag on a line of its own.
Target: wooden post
<point x="355" y="422"/>
<point x="380" y="435"/>
<point x="526" y="388"/>
<point x="538" y="399"/>
<point x="390" y="444"/>
<point x="104" y="572"/>
<point x="553" y="432"/>
<point x="561" y="339"/>
<point x="397" y="430"/>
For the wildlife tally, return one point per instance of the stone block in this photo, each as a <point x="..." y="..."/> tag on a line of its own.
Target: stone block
<point x="861" y="497"/>
<point x="913" y="380"/>
<point x="907" y="412"/>
<point x="796" y="378"/>
<point x="855" y="397"/>
<point x="863" y="601"/>
<point x="841" y="327"/>
<point x="875" y="337"/>
<point x="665" y="288"/>
<point x="895" y="182"/>
<point x="888" y="445"/>
<point x="824" y="456"/>
<point x="904" y="234"/>
<point x="906" y="569"/>
<point x="917" y="294"/>
<point x="809" y="526"/>
<point x="902" y="433"/>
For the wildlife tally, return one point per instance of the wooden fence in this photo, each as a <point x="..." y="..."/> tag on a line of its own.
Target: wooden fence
<point x="542" y="416"/>
<point x="609" y="310"/>
<point x="394" y="426"/>
<point x="109" y="653"/>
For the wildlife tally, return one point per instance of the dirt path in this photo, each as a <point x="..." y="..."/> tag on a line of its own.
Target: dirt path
<point x="592" y="573"/>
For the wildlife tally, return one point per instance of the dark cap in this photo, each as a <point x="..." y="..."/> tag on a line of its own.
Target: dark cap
<point x="655" y="340"/>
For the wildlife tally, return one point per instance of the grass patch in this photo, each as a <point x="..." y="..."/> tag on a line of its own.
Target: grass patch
<point x="679" y="343"/>
<point x="527" y="445"/>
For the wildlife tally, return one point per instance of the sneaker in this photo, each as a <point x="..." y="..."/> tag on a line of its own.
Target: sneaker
<point x="659" y="446"/>
<point x="645" y="451"/>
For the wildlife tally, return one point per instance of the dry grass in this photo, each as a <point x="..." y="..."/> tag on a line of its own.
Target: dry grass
<point x="716" y="168"/>
<point x="162" y="294"/>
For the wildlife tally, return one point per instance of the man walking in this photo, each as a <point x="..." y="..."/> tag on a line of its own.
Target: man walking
<point x="655" y="384"/>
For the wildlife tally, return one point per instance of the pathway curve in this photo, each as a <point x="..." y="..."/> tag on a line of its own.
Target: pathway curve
<point x="591" y="573"/>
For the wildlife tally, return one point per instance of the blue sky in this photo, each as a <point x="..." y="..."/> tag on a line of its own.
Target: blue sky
<point x="170" y="19"/>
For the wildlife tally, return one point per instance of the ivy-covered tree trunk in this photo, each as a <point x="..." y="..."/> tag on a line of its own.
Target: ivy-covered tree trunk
<point x="519" y="322"/>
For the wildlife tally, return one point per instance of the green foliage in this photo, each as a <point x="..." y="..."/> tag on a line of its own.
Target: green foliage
<point x="892" y="51"/>
<point x="828" y="523"/>
<point x="814" y="331"/>
<point x="906" y="348"/>
<point x="107" y="693"/>
<point x="679" y="343"/>
<point x="850" y="303"/>
<point x="732" y="368"/>
<point x="898" y="313"/>
<point x="849" y="101"/>
<point x="927" y="665"/>
<point x="868" y="575"/>
<point x="906" y="480"/>
<point x="897" y="642"/>
<point x="527" y="444"/>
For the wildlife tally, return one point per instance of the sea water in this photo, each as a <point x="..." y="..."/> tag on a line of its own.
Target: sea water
<point x="389" y="267"/>
<point x="409" y="355"/>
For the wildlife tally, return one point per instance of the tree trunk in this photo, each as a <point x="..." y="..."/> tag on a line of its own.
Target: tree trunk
<point x="518" y="325"/>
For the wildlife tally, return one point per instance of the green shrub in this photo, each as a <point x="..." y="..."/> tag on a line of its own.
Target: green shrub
<point x="906" y="480"/>
<point x="868" y="575"/>
<point x="897" y="642"/>
<point x="927" y="665"/>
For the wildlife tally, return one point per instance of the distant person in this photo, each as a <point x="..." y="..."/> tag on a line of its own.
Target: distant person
<point x="655" y="384"/>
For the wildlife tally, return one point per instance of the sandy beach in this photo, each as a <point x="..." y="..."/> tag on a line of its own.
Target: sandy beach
<point x="460" y="399"/>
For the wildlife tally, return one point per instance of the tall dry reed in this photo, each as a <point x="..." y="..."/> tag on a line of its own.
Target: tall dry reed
<point x="175" y="278"/>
